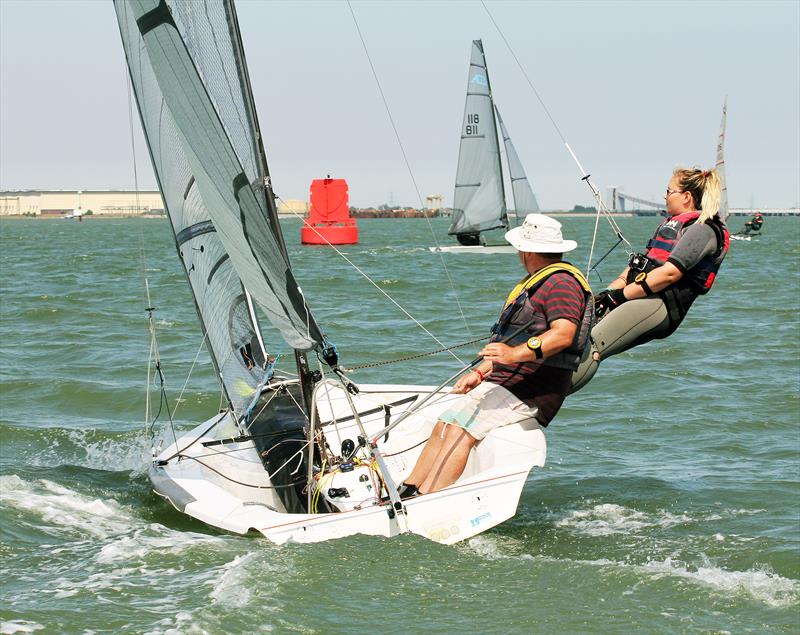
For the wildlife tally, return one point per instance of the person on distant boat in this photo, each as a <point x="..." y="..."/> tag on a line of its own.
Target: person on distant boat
<point x="470" y="240"/>
<point x="654" y="292"/>
<point x="753" y="226"/>
<point x="548" y="316"/>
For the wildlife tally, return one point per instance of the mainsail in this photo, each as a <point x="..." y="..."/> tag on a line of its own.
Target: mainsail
<point x="524" y="198"/>
<point x="723" y="201"/>
<point x="203" y="138"/>
<point x="479" y="202"/>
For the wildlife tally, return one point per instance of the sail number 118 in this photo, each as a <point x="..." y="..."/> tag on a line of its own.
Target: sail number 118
<point x="472" y="124"/>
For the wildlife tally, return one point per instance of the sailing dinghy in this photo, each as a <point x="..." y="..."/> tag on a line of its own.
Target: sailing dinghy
<point x="301" y="458"/>
<point x="480" y="201"/>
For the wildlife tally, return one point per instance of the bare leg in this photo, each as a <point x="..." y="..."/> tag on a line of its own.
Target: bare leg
<point x="429" y="452"/>
<point x="451" y="460"/>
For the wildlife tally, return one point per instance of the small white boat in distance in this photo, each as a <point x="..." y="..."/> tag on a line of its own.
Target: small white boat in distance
<point x="76" y="213"/>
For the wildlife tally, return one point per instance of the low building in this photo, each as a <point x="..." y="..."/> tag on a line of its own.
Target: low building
<point x="292" y="207"/>
<point x="56" y="203"/>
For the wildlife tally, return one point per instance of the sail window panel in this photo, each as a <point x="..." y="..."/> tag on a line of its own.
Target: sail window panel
<point x="219" y="296"/>
<point x="212" y="137"/>
<point x="230" y="333"/>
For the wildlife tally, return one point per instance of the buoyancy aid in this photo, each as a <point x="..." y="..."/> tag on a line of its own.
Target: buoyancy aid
<point x="701" y="277"/>
<point x="518" y="312"/>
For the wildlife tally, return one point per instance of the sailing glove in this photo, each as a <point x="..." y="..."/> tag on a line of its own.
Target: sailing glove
<point x="608" y="300"/>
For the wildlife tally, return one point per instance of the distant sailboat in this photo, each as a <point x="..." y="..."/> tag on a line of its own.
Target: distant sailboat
<point x="479" y="203"/>
<point x="720" y="165"/>
<point x="753" y="226"/>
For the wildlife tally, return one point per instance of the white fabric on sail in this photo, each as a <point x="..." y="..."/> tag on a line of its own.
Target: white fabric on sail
<point x="479" y="201"/>
<point x="189" y="50"/>
<point x="524" y="198"/>
<point x="723" y="201"/>
<point x="218" y="293"/>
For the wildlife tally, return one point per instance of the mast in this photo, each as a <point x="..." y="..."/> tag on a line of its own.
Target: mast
<point x="306" y="381"/>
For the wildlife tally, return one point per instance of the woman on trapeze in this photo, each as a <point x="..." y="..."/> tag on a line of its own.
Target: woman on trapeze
<point x="653" y="293"/>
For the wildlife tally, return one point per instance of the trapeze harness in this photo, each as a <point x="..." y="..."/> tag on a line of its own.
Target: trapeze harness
<point x="697" y="280"/>
<point x="518" y="312"/>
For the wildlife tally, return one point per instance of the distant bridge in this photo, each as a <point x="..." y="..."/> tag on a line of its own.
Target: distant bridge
<point x="617" y="200"/>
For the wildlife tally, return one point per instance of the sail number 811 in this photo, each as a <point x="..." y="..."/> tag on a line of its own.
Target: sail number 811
<point x="472" y="124"/>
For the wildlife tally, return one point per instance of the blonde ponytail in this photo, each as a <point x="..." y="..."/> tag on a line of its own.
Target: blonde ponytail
<point x="705" y="187"/>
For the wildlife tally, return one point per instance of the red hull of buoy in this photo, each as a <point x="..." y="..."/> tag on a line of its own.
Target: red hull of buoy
<point x="336" y="234"/>
<point x="329" y="219"/>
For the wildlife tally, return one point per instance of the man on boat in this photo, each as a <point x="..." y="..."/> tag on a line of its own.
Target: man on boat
<point x="524" y="379"/>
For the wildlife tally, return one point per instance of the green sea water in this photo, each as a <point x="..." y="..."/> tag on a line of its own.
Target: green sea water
<point x="669" y="502"/>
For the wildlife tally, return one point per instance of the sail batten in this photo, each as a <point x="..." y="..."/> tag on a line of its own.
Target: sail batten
<point x="187" y="82"/>
<point x="524" y="199"/>
<point x="479" y="200"/>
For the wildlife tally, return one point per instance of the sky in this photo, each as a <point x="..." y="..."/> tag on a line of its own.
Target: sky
<point x="636" y="89"/>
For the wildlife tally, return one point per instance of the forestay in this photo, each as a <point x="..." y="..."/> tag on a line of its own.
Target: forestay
<point x="479" y="201"/>
<point x="524" y="198"/>
<point x="189" y="80"/>
<point x="723" y="200"/>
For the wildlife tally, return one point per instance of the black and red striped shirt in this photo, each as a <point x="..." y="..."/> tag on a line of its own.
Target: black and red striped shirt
<point x="560" y="297"/>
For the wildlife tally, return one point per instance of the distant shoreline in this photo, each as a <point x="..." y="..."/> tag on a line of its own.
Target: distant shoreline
<point x="565" y="214"/>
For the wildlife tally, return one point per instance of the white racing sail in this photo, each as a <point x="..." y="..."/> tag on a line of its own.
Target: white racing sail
<point x="189" y="80"/>
<point x="524" y="198"/>
<point x="479" y="202"/>
<point x="294" y="472"/>
<point x="720" y="165"/>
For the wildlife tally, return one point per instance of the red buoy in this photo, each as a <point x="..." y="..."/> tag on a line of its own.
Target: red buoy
<point x="329" y="217"/>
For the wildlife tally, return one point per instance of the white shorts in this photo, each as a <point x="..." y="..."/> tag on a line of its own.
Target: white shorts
<point x="486" y="407"/>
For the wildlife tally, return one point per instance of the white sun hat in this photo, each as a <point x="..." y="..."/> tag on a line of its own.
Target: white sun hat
<point x="539" y="234"/>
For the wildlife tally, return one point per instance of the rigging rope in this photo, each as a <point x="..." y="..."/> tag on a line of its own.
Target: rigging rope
<point x="351" y="369"/>
<point x="408" y="167"/>
<point x="601" y="206"/>
<point x="149" y="307"/>
<point x="370" y="280"/>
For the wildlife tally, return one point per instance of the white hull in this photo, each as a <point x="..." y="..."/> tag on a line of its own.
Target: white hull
<point x="475" y="249"/>
<point x="486" y="494"/>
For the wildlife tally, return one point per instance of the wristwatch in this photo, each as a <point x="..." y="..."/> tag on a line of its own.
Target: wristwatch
<point x="535" y="344"/>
